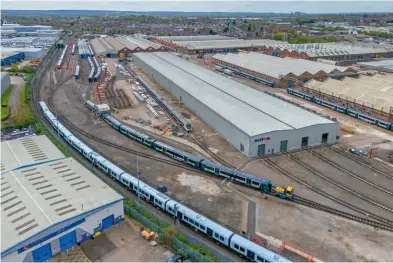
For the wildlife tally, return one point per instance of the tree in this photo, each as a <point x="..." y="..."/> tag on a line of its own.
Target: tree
<point x="226" y="29"/>
<point x="27" y="69"/>
<point x="234" y="22"/>
<point x="166" y="238"/>
<point x="249" y="27"/>
<point x="14" y="68"/>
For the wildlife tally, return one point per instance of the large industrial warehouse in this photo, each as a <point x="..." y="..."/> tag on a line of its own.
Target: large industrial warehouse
<point x="255" y="123"/>
<point x="126" y="46"/>
<point x="332" y="51"/>
<point x="278" y="72"/>
<point x="50" y="203"/>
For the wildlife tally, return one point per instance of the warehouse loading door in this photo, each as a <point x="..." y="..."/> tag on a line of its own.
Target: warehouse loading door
<point x="283" y="145"/>
<point x="43" y="253"/>
<point x="261" y="149"/>
<point x="325" y="137"/>
<point x="107" y="222"/>
<point x="304" y="141"/>
<point x="67" y="241"/>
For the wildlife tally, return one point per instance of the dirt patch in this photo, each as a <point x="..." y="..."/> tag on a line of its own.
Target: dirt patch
<point x="199" y="184"/>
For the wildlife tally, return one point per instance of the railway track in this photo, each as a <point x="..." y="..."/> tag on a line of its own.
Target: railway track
<point x="347" y="189"/>
<point x="339" y="167"/>
<point x="309" y="203"/>
<point x="189" y="134"/>
<point x="386" y="222"/>
<point x="362" y="162"/>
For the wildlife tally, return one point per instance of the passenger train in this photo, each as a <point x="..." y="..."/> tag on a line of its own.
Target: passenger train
<point x="91" y="74"/>
<point x="60" y="62"/>
<point x="77" y="68"/>
<point x="98" y="74"/>
<point x="343" y="109"/>
<point x="218" y="233"/>
<point x="249" y="180"/>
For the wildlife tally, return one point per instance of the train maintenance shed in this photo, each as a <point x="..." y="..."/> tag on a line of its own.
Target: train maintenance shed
<point x="276" y="71"/>
<point x="255" y="123"/>
<point x="50" y="203"/>
<point x="170" y="40"/>
<point x="83" y="49"/>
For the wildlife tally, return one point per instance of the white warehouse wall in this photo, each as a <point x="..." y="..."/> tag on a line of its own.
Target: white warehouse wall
<point x="294" y="137"/>
<point x="91" y="222"/>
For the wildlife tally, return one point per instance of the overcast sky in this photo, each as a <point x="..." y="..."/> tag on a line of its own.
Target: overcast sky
<point x="207" y="6"/>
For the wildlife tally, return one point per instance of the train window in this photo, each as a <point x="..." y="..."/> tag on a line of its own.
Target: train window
<point x="186" y="218"/>
<point x="221" y="238"/>
<point x="216" y="235"/>
<point x="225" y="173"/>
<point x="241" y="178"/>
<point x="196" y="224"/>
<point x="242" y="249"/>
<point x="255" y="183"/>
<point x="191" y="221"/>
<point x="202" y="227"/>
<point x="260" y="259"/>
<point x="236" y="246"/>
<point x="169" y="208"/>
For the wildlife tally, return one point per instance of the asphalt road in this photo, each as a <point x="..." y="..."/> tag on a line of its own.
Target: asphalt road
<point x="14" y="96"/>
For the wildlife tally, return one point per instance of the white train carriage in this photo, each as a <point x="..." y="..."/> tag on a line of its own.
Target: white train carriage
<point x="253" y="251"/>
<point x="107" y="166"/>
<point x="149" y="193"/>
<point x="90" y="105"/>
<point x="219" y="233"/>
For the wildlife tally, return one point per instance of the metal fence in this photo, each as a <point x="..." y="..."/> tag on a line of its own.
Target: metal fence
<point x="159" y="227"/>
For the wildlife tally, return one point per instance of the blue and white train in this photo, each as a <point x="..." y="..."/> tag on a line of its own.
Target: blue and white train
<point x="343" y="109"/>
<point x="222" y="171"/>
<point x="218" y="233"/>
<point x="77" y="68"/>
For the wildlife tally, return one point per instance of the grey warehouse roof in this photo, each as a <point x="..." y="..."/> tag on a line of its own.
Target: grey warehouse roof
<point x="275" y="66"/>
<point x="231" y="43"/>
<point x="38" y="196"/>
<point x="193" y="38"/>
<point x="251" y="111"/>
<point x="27" y="151"/>
<point x="383" y="65"/>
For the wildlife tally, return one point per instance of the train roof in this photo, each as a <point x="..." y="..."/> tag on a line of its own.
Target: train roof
<point x="250" y="176"/>
<point x="109" y="164"/>
<point x="265" y="253"/>
<point x="219" y="166"/>
<point x="203" y="220"/>
<point x="112" y="119"/>
<point x="64" y="130"/>
<point x="151" y="190"/>
<point x="80" y="144"/>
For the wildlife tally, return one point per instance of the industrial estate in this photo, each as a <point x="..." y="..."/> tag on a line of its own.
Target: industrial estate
<point x="196" y="139"/>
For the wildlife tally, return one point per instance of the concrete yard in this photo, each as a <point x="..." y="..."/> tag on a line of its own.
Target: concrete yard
<point x="123" y="243"/>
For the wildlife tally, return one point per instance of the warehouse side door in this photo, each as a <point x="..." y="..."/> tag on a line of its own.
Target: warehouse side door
<point x="261" y="149"/>
<point x="67" y="241"/>
<point x="43" y="253"/>
<point x="107" y="222"/>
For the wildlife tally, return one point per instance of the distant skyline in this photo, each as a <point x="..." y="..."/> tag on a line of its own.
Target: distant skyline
<point x="206" y="6"/>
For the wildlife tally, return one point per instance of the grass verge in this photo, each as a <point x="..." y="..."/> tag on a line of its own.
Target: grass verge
<point x="5" y="107"/>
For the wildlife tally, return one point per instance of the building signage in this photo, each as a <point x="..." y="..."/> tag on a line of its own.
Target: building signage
<point x="262" y="139"/>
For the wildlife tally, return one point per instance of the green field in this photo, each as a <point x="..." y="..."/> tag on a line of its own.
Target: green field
<point x="5" y="107"/>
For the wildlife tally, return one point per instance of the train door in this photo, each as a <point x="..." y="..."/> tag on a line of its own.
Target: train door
<point x="248" y="181"/>
<point x="250" y="254"/>
<point x="151" y="198"/>
<point x="283" y="145"/>
<point x="209" y="232"/>
<point x="261" y="149"/>
<point x="180" y="215"/>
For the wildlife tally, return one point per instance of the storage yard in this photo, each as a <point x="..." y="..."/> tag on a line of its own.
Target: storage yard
<point x="42" y="190"/>
<point x="275" y="71"/>
<point x="341" y="182"/>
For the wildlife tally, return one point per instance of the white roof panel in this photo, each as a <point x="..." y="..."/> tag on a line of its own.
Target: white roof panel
<point x="249" y="110"/>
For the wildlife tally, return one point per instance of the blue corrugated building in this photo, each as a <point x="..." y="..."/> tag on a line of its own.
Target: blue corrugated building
<point x="50" y="203"/>
<point x="12" y="57"/>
